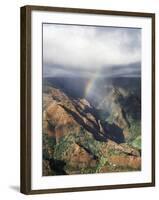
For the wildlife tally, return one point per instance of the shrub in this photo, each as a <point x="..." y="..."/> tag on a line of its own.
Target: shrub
<point x="102" y="162"/>
<point x="137" y="142"/>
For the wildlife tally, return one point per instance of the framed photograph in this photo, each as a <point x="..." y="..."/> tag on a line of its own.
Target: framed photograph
<point x="87" y="99"/>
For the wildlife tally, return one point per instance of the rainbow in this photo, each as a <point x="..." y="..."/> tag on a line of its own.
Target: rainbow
<point x="91" y="83"/>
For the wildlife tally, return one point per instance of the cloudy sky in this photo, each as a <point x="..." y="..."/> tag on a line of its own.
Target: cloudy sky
<point x="71" y="50"/>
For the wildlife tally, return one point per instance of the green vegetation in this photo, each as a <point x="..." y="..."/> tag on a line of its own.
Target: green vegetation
<point x="137" y="142"/>
<point x="135" y="133"/>
<point x="88" y="170"/>
<point x="48" y="146"/>
<point x="135" y="128"/>
<point x="102" y="162"/>
<point x="63" y="147"/>
<point x="87" y="140"/>
<point x="112" y="152"/>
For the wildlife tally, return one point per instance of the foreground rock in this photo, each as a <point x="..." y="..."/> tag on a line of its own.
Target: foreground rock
<point x="75" y="140"/>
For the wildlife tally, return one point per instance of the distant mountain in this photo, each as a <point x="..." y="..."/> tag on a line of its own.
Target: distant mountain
<point x="91" y="134"/>
<point x="75" y="86"/>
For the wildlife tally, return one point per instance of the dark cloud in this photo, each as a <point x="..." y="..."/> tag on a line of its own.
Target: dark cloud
<point x="84" y="50"/>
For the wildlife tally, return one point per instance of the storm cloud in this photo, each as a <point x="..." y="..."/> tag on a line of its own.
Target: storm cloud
<point x="71" y="50"/>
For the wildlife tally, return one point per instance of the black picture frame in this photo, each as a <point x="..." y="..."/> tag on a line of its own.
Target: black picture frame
<point x="26" y="109"/>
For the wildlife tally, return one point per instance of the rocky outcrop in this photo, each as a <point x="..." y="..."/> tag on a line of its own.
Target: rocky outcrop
<point x="75" y="140"/>
<point x="125" y="161"/>
<point x="123" y="108"/>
